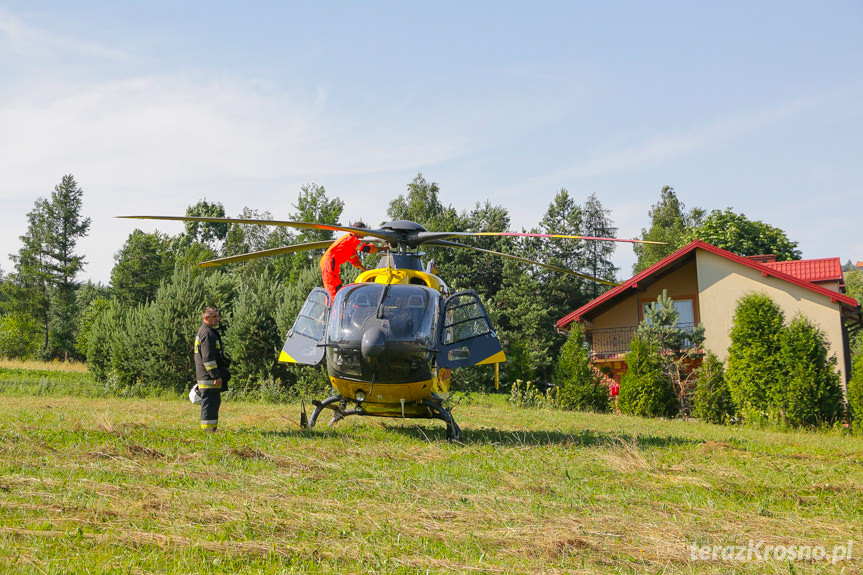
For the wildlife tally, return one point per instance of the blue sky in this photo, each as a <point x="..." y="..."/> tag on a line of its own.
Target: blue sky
<point x="757" y="106"/>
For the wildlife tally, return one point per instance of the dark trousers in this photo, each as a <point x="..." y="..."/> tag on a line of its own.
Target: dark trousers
<point x="211" y="400"/>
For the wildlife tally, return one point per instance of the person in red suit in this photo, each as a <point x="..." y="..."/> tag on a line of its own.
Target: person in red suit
<point x="344" y="250"/>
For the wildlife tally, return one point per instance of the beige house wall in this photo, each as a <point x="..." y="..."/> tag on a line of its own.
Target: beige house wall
<point x="722" y="282"/>
<point x="681" y="283"/>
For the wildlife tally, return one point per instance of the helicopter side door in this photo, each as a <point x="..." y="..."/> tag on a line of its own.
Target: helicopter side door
<point x="303" y="344"/>
<point x="466" y="335"/>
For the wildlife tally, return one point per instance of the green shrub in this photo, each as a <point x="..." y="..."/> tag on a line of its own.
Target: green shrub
<point x="107" y="325"/>
<point x="677" y="346"/>
<point x="152" y="345"/>
<point x="754" y="371"/>
<point x="89" y="314"/>
<point x="20" y="336"/>
<point x="578" y="385"/>
<point x="310" y="382"/>
<point x="810" y="394"/>
<point x="855" y="394"/>
<point x="712" y="399"/>
<point x="253" y="339"/>
<point x="645" y="389"/>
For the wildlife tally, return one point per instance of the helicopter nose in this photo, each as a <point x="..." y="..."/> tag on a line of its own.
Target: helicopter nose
<point x="374" y="342"/>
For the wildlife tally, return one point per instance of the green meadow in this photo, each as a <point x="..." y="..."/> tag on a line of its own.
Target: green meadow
<point x="113" y="485"/>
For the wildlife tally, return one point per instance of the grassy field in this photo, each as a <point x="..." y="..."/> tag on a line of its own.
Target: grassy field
<point x="104" y="485"/>
<point x="55" y="366"/>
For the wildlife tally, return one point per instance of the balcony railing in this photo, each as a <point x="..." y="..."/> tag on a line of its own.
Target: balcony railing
<point x="605" y="342"/>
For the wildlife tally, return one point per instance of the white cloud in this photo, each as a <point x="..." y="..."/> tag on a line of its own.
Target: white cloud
<point x="666" y="147"/>
<point x="35" y="44"/>
<point x="158" y="144"/>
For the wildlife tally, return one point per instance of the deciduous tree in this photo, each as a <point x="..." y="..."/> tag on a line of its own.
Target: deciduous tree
<point x="736" y="233"/>
<point x="140" y="266"/>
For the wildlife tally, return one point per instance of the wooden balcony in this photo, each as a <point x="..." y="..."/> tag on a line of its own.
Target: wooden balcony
<point x="615" y="342"/>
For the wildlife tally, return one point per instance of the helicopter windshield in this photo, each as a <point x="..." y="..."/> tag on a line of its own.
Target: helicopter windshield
<point x="410" y="310"/>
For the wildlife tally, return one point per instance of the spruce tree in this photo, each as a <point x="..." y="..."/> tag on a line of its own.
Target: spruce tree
<point x="712" y="399"/>
<point x="578" y="384"/>
<point x="645" y="389"/>
<point x="754" y="372"/>
<point x="855" y="393"/>
<point x="46" y="266"/>
<point x="597" y="223"/>
<point x="810" y="394"/>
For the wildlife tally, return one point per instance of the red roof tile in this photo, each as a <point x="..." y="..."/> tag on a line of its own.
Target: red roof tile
<point x="632" y="282"/>
<point x="823" y="270"/>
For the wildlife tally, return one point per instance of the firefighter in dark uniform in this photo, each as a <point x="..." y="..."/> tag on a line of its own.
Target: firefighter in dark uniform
<point x="211" y="369"/>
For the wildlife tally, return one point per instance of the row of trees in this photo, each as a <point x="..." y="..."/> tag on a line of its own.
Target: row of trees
<point x="156" y="288"/>
<point x="776" y="372"/>
<point x="138" y="328"/>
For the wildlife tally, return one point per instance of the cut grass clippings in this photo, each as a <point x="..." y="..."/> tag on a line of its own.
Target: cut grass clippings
<point x="106" y="485"/>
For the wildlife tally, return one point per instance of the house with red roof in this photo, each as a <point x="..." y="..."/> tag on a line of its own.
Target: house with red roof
<point x="705" y="283"/>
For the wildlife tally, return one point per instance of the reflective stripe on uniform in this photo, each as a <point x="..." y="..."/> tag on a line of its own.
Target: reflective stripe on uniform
<point x="211" y="364"/>
<point x="208" y="384"/>
<point x="209" y="424"/>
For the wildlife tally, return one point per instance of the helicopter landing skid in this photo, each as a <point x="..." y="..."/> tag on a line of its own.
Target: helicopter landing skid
<point x="338" y="404"/>
<point x="438" y="411"/>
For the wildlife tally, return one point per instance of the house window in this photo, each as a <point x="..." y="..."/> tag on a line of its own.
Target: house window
<point x="685" y="311"/>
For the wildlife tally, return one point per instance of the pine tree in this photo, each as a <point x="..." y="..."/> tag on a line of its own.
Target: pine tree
<point x="253" y="337"/>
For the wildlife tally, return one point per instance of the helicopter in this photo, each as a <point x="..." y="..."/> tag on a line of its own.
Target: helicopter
<point x="392" y="337"/>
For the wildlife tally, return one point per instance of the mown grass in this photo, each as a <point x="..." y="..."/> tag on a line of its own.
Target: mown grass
<point x="106" y="485"/>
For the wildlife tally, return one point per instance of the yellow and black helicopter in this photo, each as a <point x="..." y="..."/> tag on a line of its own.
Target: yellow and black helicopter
<point x="391" y="338"/>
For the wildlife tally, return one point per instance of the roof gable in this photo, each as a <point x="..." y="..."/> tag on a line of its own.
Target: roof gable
<point x="682" y="253"/>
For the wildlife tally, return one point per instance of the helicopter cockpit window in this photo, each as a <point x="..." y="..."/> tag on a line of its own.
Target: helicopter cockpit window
<point x="312" y="318"/>
<point x="465" y="319"/>
<point x="410" y="311"/>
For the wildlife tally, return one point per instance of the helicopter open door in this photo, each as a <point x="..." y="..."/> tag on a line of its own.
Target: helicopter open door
<point x="306" y="336"/>
<point x="466" y="334"/>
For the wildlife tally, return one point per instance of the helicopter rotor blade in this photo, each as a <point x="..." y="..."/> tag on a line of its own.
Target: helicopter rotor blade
<point x="446" y="244"/>
<point x="266" y="253"/>
<point x="432" y="236"/>
<point x="380" y="234"/>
